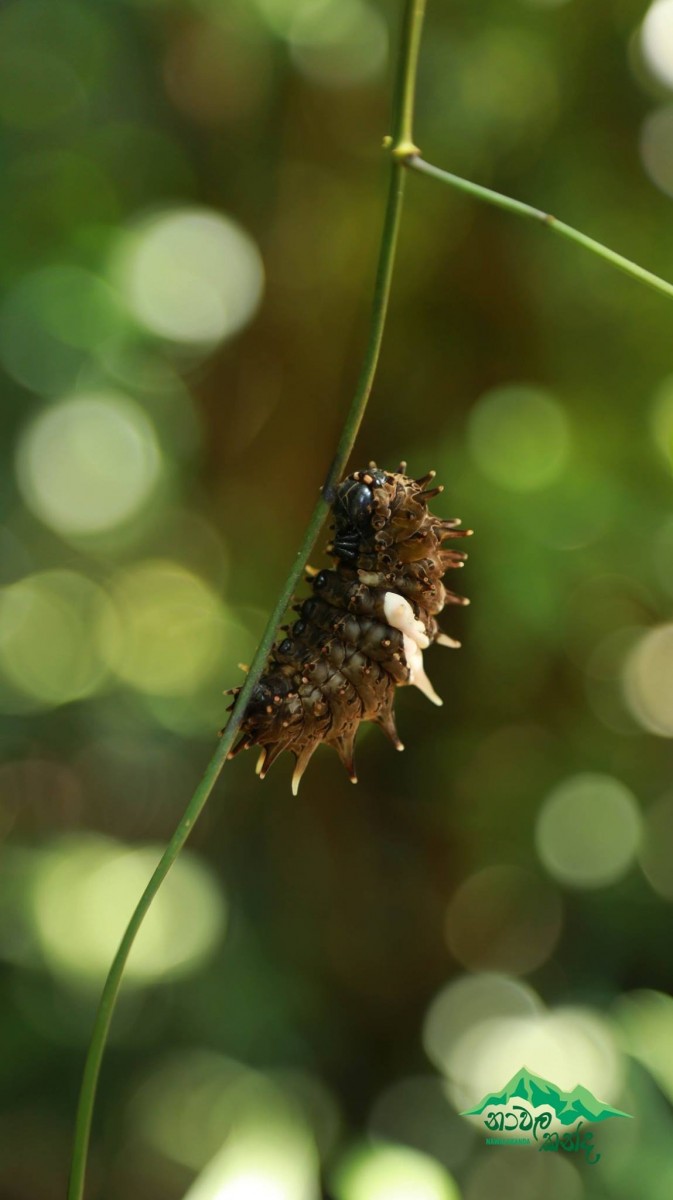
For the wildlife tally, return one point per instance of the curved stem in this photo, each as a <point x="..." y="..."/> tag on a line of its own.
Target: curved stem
<point x="535" y="214"/>
<point x="402" y="129"/>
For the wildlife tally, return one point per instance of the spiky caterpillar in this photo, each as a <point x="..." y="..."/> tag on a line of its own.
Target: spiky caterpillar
<point x="363" y="631"/>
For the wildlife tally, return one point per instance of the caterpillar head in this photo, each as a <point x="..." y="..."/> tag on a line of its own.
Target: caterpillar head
<point x="353" y="510"/>
<point x="374" y="508"/>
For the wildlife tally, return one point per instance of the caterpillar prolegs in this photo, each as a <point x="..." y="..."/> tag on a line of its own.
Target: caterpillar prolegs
<point x="362" y="632"/>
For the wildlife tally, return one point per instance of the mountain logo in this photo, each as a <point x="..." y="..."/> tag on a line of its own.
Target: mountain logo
<point x="530" y="1109"/>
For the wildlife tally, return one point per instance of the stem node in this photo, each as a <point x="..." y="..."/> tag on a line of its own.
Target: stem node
<point x="405" y="151"/>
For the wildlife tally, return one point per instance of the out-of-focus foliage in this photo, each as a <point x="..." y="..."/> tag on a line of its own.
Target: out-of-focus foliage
<point x="191" y="198"/>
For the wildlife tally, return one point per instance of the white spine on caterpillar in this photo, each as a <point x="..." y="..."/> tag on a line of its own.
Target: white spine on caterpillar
<point x="417" y="676"/>
<point x="443" y="639"/>
<point x="400" y="615"/>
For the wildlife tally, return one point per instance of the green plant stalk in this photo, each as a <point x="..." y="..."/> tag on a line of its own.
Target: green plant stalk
<point x="403" y="101"/>
<point x="415" y="163"/>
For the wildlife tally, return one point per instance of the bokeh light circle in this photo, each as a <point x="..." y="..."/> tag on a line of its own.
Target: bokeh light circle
<point x="339" y="44"/>
<point x="656" y="851"/>
<point x="390" y="1172"/>
<point x="656" y="147"/>
<point x="76" y="306"/>
<point x="53" y="318"/>
<point x="470" y="1000"/>
<point x="221" y="1091"/>
<point x="217" y="70"/>
<point x="503" y="918"/>
<point x="519" y="437"/>
<point x="656" y="40"/>
<point x="644" y="1019"/>
<point x="167" y="633"/>
<point x="190" y="275"/>
<point x="84" y="890"/>
<point x="88" y="463"/>
<point x="415" y="1111"/>
<point x="505" y="1031"/>
<point x="280" y="15"/>
<point x="268" y="1155"/>
<point x="234" y="1125"/>
<point x="588" y="830"/>
<point x="648" y="673"/>
<point x="48" y="650"/>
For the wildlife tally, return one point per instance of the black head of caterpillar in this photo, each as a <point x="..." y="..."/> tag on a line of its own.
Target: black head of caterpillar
<point x="353" y="508"/>
<point x="362" y="632"/>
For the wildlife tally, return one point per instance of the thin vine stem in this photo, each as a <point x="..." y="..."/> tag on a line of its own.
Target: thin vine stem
<point x="416" y="163"/>
<point x="400" y="141"/>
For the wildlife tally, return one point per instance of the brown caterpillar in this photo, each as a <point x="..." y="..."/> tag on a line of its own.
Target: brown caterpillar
<point x="363" y="631"/>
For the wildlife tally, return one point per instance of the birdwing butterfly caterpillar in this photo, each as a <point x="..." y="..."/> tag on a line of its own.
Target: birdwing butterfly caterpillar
<point x="362" y="632"/>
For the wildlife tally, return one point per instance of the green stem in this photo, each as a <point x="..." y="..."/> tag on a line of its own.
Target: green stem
<point x="405" y="88"/>
<point x="536" y="214"/>
<point x="402" y="130"/>
<point x="402" y="118"/>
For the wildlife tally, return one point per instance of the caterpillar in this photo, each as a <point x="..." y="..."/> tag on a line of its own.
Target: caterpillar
<point x="362" y="632"/>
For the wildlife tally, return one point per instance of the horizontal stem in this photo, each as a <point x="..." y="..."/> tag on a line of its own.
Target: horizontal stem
<point x="536" y="214"/>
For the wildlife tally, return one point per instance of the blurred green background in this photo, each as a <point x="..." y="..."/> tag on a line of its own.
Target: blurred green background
<point x="191" y="199"/>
